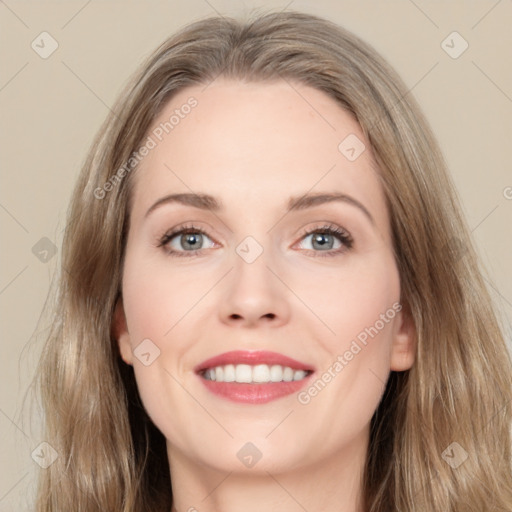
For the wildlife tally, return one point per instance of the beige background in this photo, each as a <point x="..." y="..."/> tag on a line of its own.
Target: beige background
<point x="51" y="108"/>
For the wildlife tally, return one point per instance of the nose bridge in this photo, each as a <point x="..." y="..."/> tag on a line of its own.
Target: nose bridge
<point x="251" y="262"/>
<point x="251" y="249"/>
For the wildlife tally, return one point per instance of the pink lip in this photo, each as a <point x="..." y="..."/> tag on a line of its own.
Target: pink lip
<point x="252" y="357"/>
<point x="253" y="393"/>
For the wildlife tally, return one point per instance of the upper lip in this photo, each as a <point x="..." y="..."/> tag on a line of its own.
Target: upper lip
<point x="252" y="357"/>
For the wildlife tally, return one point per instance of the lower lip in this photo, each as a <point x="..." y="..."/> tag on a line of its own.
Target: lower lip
<point x="254" y="393"/>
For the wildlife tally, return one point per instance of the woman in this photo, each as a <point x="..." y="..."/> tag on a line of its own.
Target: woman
<point x="270" y="297"/>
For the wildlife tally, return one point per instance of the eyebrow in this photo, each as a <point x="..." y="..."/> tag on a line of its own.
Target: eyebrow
<point x="295" y="203"/>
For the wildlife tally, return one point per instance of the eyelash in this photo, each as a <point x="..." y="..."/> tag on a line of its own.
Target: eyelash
<point x="328" y="229"/>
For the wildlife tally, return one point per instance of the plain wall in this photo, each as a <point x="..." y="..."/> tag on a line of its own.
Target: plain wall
<point x="51" y="108"/>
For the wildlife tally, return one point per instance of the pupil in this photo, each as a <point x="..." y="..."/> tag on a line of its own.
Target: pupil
<point x="190" y="239"/>
<point x="321" y="239"/>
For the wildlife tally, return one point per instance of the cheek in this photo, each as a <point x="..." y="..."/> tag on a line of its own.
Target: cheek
<point x="365" y="309"/>
<point x="153" y="308"/>
<point x="361" y="307"/>
<point x="158" y="296"/>
<point x="358" y="306"/>
<point x="349" y="299"/>
<point x="161" y="304"/>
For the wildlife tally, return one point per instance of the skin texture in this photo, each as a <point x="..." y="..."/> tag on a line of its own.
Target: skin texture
<point x="253" y="145"/>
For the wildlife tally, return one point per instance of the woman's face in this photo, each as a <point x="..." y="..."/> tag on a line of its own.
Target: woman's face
<point x="252" y="275"/>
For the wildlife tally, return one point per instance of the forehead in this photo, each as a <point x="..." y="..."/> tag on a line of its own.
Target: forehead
<point x="254" y="145"/>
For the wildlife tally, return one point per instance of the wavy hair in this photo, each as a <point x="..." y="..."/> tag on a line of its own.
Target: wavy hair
<point x="112" y="457"/>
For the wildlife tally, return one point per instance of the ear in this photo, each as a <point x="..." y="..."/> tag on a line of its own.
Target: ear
<point x="403" y="350"/>
<point x="120" y="332"/>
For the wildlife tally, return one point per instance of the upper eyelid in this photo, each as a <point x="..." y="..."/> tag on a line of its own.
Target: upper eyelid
<point x="322" y="225"/>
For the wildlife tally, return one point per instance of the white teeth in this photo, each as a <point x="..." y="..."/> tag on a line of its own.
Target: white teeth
<point x="243" y="373"/>
<point x="288" y="374"/>
<point x="299" y="374"/>
<point x="260" y="373"/>
<point x="276" y="373"/>
<point x="229" y="373"/>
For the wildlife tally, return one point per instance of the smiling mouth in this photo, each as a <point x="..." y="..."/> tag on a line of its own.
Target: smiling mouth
<point x="254" y="374"/>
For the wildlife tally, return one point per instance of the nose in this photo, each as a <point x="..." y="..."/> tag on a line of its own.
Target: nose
<point x="254" y="295"/>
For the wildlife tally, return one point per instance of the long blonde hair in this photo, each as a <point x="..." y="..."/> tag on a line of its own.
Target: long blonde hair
<point x="111" y="456"/>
